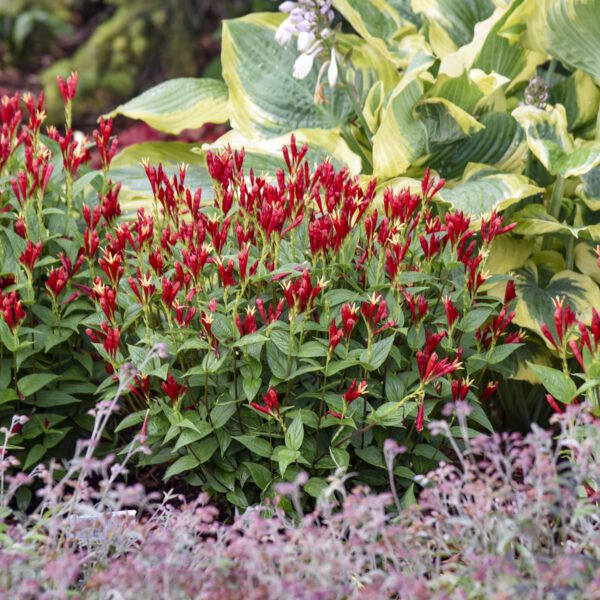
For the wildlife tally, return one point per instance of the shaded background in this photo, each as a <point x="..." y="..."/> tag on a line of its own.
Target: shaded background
<point x="119" y="48"/>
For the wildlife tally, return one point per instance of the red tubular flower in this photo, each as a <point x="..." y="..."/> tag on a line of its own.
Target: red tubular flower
<point x="457" y="229"/>
<point x="226" y="273"/>
<point x="172" y="389"/>
<point x="183" y="314"/>
<point x="420" y="420"/>
<point x="146" y="285"/>
<point x="243" y="261"/>
<point x="300" y="294"/>
<point x="108" y="302"/>
<point x="109" y="337"/>
<point x="431" y="247"/>
<point x="511" y="291"/>
<point x="349" y="318"/>
<point x="156" y="261"/>
<point x="489" y="391"/>
<point x="564" y="318"/>
<point x="429" y="188"/>
<point x="106" y="147"/>
<point x="270" y="404"/>
<point x="169" y="292"/>
<point x="374" y="311"/>
<point x="274" y="313"/>
<point x="432" y="340"/>
<point x="109" y="203"/>
<point x="355" y="391"/>
<point x="30" y="255"/>
<point x="492" y="227"/>
<point x="335" y="336"/>
<point x="554" y="404"/>
<point x="57" y="280"/>
<point x="452" y="314"/>
<point x="141" y="387"/>
<point x="111" y="265"/>
<point x="68" y="88"/>
<point x="432" y="368"/>
<point x="460" y="388"/>
<point x="11" y="307"/>
<point x="248" y="325"/>
<point x="577" y="353"/>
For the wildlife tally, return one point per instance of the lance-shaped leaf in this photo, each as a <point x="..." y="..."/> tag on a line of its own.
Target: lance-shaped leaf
<point x="565" y="29"/>
<point x="380" y="24"/>
<point x="534" y="302"/>
<point x="484" y="189"/>
<point x="178" y="104"/>
<point x="266" y="100"/>
<point x="553" y="146"/>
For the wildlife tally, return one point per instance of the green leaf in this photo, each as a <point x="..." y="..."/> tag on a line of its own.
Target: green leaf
<point x="130" y="420"/>
<point x="184" y="103"/>
<point x="380" y="24"/>
<point x="379" y="352"/>
<point x="277" y="360"/>
<point x="266" y="100"/>
<point x="255" y="444"/>
<point x="30" y="384"/>
<point x="221" y="413"/>
<point x="294" y="435"/>
<point x="556" y="382"/>
<point x="34" y="456"/>
<point x="252" y="338"/>
<point x="182" y="464"/>
<point x="260" y="474"/>
<point x="566" y="29"/>
<point x="484" y="189"/>
<point x="551" y="143"/>
<point x="285" y="457"/>
<point x="314" y="486"/>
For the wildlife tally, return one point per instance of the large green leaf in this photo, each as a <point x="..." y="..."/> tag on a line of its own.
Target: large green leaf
<point x="566" y="29"/>
<point x="589" y="189"/>
<point x="534" y="305"/>
<point x="484" y="189"/>
<point x="580" y="96"/>
<point x="379" y="23"/>
<point x="184" y="103"/>
<point x="553" y="146"/>
<point x="492" y="52"/>
<point x="451" y="24"/>
<point x="500" y="144"/>
<point x="266" y="100"/>
<point x="401" y="138"/>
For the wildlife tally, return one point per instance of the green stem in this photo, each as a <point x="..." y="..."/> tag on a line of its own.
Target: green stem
<point x="555" y="204"/>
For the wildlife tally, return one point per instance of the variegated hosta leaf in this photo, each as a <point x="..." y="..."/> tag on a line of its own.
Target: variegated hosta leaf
<point x="507" y="254"/>
<point x="565" y="29"/>
<point x="535" y="220"/>
<point x="451" y="24"/>
<point x="484" y="189"/>
<point x="266" y="100"/>
<point x="589" y="188"/>
<point x="534" y="305"/>
<point x="549" y="140"/>
<point x="491" y="51"/>
<point x="586" y="260"/>
<point x="380" y="24"/>
<point x="136" y="191"/>
<point x="500" y="144"/>
<point x="178" y="104"/>
<point x="518" y="364"/>
<point x="401" y="138"/>
<point x="580" y="96"/>
<point x="264" y="156"/>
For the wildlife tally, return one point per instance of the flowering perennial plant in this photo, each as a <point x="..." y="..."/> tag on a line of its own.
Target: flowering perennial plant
<point x="307" y="316"/>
